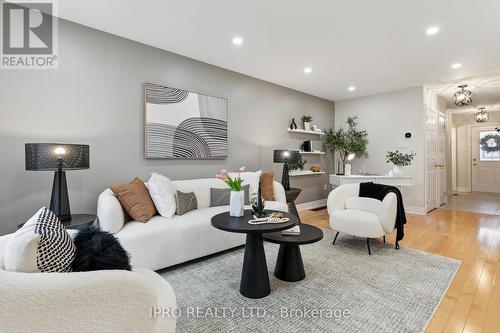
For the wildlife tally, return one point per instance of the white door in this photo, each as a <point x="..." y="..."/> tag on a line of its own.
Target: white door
<point x="430" y="159"/>
<point x="441" y="161"/>
<point x="485" y="159"/>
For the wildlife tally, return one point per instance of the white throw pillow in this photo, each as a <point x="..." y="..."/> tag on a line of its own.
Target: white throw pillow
<point x="249" y="177"/>
<point x="162" y="192"/>
<point x="41" y="245"/>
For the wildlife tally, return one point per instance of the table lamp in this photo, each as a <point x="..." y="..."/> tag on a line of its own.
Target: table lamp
<point x="57" y="157"/>
<point x="285" y="156"/>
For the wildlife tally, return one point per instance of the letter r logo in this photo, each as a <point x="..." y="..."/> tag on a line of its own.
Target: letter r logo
<point x="27" y="27"/>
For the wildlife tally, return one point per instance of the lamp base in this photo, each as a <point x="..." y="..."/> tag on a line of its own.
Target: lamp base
<point x="59" y="202"/>
<point x="285" y="179"/>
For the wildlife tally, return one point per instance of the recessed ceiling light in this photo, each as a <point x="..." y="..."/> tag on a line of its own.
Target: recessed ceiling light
<point x="351" y="88"/>
<point x="237" y="41"/>
<point x="456" y="65"/>
<point x="432" y="30"/>
<point x="308" y="70"/>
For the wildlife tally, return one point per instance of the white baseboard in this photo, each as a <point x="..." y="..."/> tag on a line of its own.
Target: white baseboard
<point x="311" y="205"/>
<point x="463" y="189"/>
<point x="415" y="210"/>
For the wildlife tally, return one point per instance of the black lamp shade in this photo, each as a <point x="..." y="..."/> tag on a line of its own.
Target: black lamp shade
<point x="43" y="157"/>
<point x="285" y="155"/>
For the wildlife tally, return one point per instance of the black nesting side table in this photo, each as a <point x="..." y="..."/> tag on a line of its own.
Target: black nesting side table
<point x="254" y="275"/>
<point x="77" y="221"/>
<point x="289" y="265"/>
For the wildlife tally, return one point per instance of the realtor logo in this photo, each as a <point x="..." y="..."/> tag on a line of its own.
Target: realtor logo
<point x="29" y="34"/>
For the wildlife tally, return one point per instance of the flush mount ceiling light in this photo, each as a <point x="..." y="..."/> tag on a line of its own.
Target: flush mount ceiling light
<point x="237" y="41"/>
<point x="432" y="30"/>
<point x="482" y="116"/>
<point x="351" y="88"/>
<point x="307" y="70"/>
<point x="456" y="65"/>
<point x="462" y="97"/>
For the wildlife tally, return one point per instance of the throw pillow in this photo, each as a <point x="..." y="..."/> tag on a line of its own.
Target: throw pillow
<point x="185" y="202"/>
<point x="135" y="199"/>
<point x="249" y="178"/>
<point x="163" y="194"/>
<point x="99" y="250"/>
<point x="266" y="186"/>
<point x="41" y="245"/>
<point x="221" y="196"/>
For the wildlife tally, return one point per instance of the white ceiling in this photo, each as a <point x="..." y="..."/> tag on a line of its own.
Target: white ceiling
<point x="485" y="89"/>
<point x="375" y="45"/>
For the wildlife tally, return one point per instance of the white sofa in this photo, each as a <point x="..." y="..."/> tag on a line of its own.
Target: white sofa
<point x="100" y="301"/>
<point x="360" y="216"/>
<point x="164" y="242"/>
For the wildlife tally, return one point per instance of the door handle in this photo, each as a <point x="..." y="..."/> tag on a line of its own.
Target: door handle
<point x="474" y="163"/>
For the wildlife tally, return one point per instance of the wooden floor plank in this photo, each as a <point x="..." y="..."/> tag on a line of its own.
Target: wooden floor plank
<point x="472" y="303"/>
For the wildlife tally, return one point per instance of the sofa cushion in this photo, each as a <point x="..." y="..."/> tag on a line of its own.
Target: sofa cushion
<point x="357" y="222"/>
<point x="41" y="245"/>
<point x="98" y="250"/>
<point x="249" y="177"/>
<point x="221" y="196"/>
<point x="191" y="232"/>
<point x="276" y="205"/>
<point x="135" y="199"/>
<point x="185" y="202"/>
<point x="363" y="203"/>
<point x="266" y="186"/>
<point x="163" y="194"/>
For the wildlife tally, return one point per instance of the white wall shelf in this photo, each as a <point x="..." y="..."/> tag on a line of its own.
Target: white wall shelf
<point x="305" y="173"/>
<point x="316" y="152"/>
<point x="304" y="131"/>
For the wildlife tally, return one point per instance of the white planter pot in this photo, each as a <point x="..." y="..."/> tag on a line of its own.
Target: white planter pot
<point x="396" y="171"/>
<point x="237" y="203"/>
<point x="307" y="125"/>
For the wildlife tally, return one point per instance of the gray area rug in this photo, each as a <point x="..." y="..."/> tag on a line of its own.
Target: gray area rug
<point x="345" y="290"/>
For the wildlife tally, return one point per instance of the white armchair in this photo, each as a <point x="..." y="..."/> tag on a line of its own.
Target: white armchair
<point x="359" y="216"/>
<point x="101" y="301"/>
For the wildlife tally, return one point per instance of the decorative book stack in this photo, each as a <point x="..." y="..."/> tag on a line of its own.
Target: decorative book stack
<point x="293" y="231"/>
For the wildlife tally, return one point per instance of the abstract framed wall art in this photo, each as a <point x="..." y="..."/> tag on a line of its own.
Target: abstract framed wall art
<point x="185" y="125"/>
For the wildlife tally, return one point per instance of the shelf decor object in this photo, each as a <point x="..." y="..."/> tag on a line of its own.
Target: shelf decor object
<point x="184" y="125"/>
<point x="463" y="97"/>
<point x="482" y="116"/>
<point x="59" y="158"/>
<point x="285" y="156"/>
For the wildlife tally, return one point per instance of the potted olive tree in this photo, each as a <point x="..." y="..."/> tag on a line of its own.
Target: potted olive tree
<point x="346" y="142"/>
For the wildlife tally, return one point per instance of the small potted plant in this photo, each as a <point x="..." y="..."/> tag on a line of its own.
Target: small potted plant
<point x="306" y="120"/>
<point x="399" y="160"/>
<point x="237" y="199"/>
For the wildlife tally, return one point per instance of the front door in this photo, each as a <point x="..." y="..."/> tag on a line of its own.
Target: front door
<point x="485" y="159"/>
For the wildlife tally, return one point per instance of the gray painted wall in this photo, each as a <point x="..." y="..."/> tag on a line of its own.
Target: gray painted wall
<point x="96" y="98"/>
<point x="387" y="117"/>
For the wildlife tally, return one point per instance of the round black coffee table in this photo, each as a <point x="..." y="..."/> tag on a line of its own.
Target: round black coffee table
<point x="254" y="276"/>
<point x="289" y="265"/>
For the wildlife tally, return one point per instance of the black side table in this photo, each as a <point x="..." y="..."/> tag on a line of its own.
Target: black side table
<point x="77" y="221"/>
<point x="254" y="276"/>
<point x="289" y="264"/>
<point x="291" y="195"/>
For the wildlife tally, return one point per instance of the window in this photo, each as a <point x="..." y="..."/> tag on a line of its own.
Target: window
<point x="489" y="146"/>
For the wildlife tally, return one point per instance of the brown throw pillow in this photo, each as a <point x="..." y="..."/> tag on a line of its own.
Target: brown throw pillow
<point x="266" y="186"/>
<point x="135" y="199"/>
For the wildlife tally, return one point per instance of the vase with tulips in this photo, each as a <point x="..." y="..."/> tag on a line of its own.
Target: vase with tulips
<point x="237" y="198"/>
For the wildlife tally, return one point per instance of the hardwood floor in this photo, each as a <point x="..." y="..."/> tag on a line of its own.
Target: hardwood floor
<point x="472" y="303"/>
